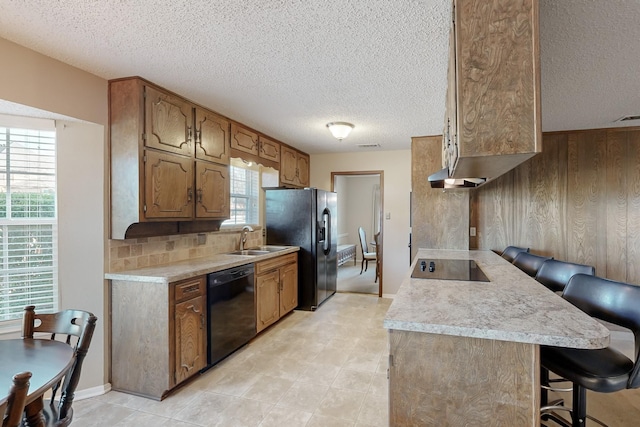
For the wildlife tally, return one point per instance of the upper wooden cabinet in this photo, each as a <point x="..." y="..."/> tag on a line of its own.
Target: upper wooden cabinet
<point x="269" y="149"/>
<point x="211" y="137"/>
<point x="168" y="122"/>
<point x="244" y="140"/>
<point x="168" y="186"/>
<point x="493" y="107"/>
<point x="169" y="158"/>
<point x="294" y="167"/>
<point x="212" y="190"/>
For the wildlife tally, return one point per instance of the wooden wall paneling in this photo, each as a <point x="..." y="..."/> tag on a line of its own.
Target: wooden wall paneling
<point x="616" y="206"/>
<point x="496" y="214"/>
<point x="587" y="199"/>
<point x="541" y="189"/>
<point x="438" y="219"/>
<point x="633" y="208"/>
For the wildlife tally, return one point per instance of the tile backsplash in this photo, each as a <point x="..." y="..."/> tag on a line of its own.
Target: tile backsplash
<point x="151" y="251"/>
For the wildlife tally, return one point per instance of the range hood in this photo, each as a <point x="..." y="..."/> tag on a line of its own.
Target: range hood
<point x="441" y="179"/>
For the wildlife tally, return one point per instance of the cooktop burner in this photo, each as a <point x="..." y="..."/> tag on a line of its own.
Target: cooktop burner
<point x="448" y="269"/>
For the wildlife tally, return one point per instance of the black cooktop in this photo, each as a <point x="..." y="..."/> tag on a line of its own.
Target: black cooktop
<point x="448" y="269"/>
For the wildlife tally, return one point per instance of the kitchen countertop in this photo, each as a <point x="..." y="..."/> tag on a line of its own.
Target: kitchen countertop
<point x="511" y="307"/>
<point x="165" y="274"/>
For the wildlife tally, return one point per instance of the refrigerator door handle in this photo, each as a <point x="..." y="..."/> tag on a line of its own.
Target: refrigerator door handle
<point x="326" y="231"/>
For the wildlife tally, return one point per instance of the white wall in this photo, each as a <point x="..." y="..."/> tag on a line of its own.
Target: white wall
<point x="396" y="166"/>
<point x="38" y="82"/>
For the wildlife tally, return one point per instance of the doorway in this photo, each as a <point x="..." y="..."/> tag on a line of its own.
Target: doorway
<point x="360" y="204"/>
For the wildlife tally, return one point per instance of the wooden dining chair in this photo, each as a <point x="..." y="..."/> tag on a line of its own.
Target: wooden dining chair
<point x="366" y="255"/>
<point x="12" y="407"/>
<point x="77" y="328"/>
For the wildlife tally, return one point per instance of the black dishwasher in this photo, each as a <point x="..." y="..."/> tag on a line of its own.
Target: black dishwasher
<point x="231" y="311"/>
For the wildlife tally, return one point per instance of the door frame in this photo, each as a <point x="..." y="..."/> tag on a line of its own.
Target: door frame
<point x="380" y="173"/>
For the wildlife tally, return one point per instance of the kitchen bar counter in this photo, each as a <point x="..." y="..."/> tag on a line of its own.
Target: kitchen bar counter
<point x="180" y="270"/>
<point x="467" y="353"/>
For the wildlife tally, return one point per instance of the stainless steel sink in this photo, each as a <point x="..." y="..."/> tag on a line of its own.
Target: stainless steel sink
<point x="253" y="252"/>
<point x="270" y="248"/>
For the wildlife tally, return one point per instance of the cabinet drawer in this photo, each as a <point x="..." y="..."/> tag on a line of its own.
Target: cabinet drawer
<point x="189" y="288"/>
<point x="273" y="263"/>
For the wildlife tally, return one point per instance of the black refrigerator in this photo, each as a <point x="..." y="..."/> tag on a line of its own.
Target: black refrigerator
<point x="306" y="218"/>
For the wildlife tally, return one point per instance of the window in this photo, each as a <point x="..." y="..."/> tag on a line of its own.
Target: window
<point x="28" y="220"/>
<point x="244" y="196"/>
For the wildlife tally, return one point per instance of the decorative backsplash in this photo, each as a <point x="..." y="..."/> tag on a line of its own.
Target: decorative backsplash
<point x="151" y="251"/>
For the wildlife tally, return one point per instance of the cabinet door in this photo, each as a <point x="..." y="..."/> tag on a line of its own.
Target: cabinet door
<point x="288" y="288"/>
<point x="168" y="186"/>
<point x="168" y="122"/>
<point x="288" y="165"/>
<point x="269" y="149"/>
<point x="303" y="170"/>
<point x="244" y="140"/>
<point x="212" y="190"/>
<point x="212" y="137"/>
<point x="190" y="345"/>
<point x="267" y="299"/>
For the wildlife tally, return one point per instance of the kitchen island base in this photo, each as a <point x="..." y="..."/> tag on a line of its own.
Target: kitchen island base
<point x="445" y="380"/>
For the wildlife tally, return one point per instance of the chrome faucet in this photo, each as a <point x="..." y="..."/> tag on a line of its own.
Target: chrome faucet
<point x="243" y="236"/>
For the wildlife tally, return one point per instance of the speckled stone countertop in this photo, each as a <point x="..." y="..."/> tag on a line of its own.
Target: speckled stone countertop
<point x="165" y="274"/>
<point x="511" y="307"/>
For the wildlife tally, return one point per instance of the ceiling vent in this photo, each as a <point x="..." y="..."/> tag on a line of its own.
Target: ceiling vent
<point x="368" y="145"/>
<point x="627" y="118"/>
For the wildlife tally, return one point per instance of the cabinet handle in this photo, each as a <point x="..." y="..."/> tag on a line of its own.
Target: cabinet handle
<point x="189" y="133"/>
<point x="190" y="194"/>
<point x="199" y="195"/>
<point x="199" y="136"/>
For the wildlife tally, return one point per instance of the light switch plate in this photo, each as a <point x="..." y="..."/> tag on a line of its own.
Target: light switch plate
<point x="472" y="231"/>
<point x="388" y="215"/>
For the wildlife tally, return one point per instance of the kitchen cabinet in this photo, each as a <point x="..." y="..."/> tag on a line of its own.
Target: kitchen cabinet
<point x="190" y="328"/>
<point x="276" y="289"/>
<point x="269" y="149"/>
<point x="211" y="137"/>
<point x="244" y="140"/>
<point x="294" y="167"/>
<point x="169" y="158"/>
<point x="158" y="335"/>
<point x="492" y="121"/>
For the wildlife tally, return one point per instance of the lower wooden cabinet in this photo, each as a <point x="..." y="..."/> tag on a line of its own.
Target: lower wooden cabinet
<point x="276" y="289"/>
<point x="190" y="329"/>
<point x="158" y="335"/>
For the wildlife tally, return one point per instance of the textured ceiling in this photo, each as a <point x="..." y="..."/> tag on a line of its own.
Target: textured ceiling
<point x="288" y="67"/>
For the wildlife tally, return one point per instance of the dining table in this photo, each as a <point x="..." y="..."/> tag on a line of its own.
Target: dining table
<point x="46" y="359"/>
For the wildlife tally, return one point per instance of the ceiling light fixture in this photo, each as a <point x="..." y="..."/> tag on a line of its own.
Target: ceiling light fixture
<point x="340" y="130"/>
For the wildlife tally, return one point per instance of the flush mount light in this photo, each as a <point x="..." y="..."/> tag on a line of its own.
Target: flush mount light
<point x="340" y="130"/>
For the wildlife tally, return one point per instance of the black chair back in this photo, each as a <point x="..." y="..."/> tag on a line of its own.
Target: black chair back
<point x="510" y="252"/>
<point x="614" y="302"/>
<point x="529" y="263"/>
<point x="555" y="274"/>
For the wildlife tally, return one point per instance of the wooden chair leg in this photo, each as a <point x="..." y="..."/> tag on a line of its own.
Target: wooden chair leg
<point x="362" y="265"/>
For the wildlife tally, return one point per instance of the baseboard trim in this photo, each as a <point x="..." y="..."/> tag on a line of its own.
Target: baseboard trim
<point x="390" y="296"/>
<point x="92" y="392"/>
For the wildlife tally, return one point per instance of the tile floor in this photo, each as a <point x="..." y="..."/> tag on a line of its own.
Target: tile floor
<point x="350" y="279"/>
<point x="326" y="368"/>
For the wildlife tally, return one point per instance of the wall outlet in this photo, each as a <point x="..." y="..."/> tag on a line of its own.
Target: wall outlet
<point x="472" y="231"/>
<point x="388" y="215"/>
<point x="202" y="239"/>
